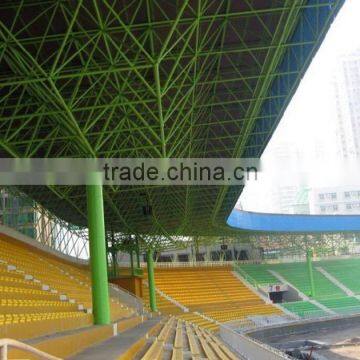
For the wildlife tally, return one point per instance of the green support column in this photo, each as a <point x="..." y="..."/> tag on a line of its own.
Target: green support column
<point x="113" y="254"/>
<point x="100" y="291"/>
<point x="114" y="262"/>
<point x="107" y="254"/>
<point x="309" y="255"/>
<point x="151" y="280"/>
<point x="137" y="253"/>
<point x="131" y="253"/>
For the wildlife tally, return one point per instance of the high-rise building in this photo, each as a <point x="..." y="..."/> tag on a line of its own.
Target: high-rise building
<point x="347" y="94"/>
<point x="278" y="192"/>
<point x="286" y="158"/>
<point x="335" y="200"/>
<point x="21" y="214"/>
<point x="18" y="213"/>
<point x="301" y="203"/>
<point x="340" y="143"/>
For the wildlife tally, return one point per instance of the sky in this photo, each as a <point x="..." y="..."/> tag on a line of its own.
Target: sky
<point x="309" y="123"/>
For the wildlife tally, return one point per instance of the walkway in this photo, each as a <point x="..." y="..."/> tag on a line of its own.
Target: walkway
<point x="112" y="348"/>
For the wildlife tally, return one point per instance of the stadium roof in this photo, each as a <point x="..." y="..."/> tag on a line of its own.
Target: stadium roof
<point x="151" y="78"/>
<point x="292" y="223"/>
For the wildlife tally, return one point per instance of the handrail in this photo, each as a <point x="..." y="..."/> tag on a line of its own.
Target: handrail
<point x="245" y="275"/>
<point x="126" y="297"/>
<point x="169" y="298"/>
<point x="6" y="343"/>
<point x="249" y="348"/>
<point x="119" y="288"/>
<point x="213" y="263"/>
<point x="197" y="264"/>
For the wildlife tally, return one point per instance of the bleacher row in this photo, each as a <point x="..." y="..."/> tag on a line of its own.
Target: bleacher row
<point x="166" y="307"/>
<point x="44" y="295"/>
<point x="304" y="309"/>
<point x="327" y="292"/>
<point x="212" y="295"/>
<point x="39" y="289"/>
<point x="347" y="271"/>
<point x="178" y="337"/>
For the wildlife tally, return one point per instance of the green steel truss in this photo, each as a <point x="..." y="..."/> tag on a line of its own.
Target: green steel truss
<point x="142" y="78"/>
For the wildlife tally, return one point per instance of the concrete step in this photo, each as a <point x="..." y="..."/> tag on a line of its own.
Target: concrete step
<point x="67" y="343"/>
<point x="124" y="345"/>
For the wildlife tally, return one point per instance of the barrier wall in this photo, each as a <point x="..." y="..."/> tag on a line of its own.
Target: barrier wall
<point x="249" y="348"/>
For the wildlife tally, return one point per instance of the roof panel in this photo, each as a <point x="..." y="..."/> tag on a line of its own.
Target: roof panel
<point x="128" y="79"/>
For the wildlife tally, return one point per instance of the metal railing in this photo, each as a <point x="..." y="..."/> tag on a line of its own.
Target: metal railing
<point x="249" y="348"/>
<point x="245" y="325"/>
<point x="169" y="298"/>
<point x="245" y="275"/>
<point x="6" y="343"/>
<point x="127" y="298"/>
<point x="124" y="269"/>
<point x="234" y="332"/>
<point x="300" y="258"/>
<point x="208" y="263"/>
<point x="176" y="264"/>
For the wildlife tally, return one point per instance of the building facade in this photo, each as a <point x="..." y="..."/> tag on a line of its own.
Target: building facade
<point x="335" y="200"/>
<point x="347" y="95"/>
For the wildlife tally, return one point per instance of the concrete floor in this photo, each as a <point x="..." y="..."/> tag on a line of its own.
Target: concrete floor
<point x="331" y="335"/>
<point x="115" y="346"/>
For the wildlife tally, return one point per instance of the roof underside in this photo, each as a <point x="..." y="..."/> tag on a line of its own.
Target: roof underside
<point x="151" y="78"/>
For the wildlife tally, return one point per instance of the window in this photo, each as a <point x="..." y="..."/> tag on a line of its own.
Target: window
<point x="348" y="206"/>
<point x="333" y="195"/>
<point x="321" y="196"/>
<point x="183" y="257"/>
<point x="30" y="217"/>
<point x="335" y="207"/>
<point x="322" y="208"/>
<point x="347" y="194"/>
